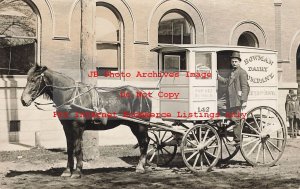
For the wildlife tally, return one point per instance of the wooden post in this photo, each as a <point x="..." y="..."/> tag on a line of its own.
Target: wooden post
<point x="87" y="43"/>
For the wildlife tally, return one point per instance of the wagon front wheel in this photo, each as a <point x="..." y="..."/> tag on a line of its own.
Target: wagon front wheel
<point x="263" y="136"/>
<point x="201" y="148"/>
<point x="160" y="154"/>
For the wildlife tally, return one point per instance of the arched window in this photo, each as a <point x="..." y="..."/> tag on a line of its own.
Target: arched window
<point x="175" y="28"/>
<point x="248" y="39"/>
<point x="109" y="29"/>
<point x="18" y="37"/>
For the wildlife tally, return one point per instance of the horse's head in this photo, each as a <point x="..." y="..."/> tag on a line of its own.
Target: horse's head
<point x="35" y="85"/>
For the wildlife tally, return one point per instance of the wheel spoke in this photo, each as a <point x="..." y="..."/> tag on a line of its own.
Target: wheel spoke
<point x="162" y="138"/>
<point x="190" y="150"/>
<point x="152" y="156"/>
<point x="157" y="158"/>
<point x="253" y="148"/>
<point x="211" y="154"/>
<point x="264" y="153"/>
<point x="195" y="137"/>
<point x="150" y="150"/>
<point x="188" y="159"/>
<point x="152" y="139"/>
<point x="252" y="128"/>
<point x="268" y="117"/>
<point x="209" y="140"/>
<point x="259" y="146"/>
<point x="170" y="137"/>
<point x="206" y="159"/>
<point x="252" y="135"/>
<point x="260" y="124"/>
<point x="206" y="135"/>
<point x="276" y="138"/>
<point x="212" y="147"/>
<point x="250" y="142"/>
<point x="200" y="134"/>
<point x="255" y="121"/>
<point x="226" y="147"/>
<point x="274" y="145"/>
<point x="201" y="161"/>
<point x="268" y="148"/>
<point x="191" y="142"/>
<point x="195" y="162"/>
<point x="167" y="151"/>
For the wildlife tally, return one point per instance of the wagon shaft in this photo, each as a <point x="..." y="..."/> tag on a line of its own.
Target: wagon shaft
<point x="151" y="124"/>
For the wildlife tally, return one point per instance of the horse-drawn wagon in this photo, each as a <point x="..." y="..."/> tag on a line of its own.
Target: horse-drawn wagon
<point x="198" y="113"/>
<point x="195" y="120"/>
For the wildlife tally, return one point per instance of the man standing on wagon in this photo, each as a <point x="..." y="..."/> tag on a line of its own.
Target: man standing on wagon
<point x="237" y="93"/>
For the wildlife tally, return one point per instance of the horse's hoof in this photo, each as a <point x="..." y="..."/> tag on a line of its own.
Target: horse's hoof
<point x="66" y="173"/>
<point x="76" y="174"/>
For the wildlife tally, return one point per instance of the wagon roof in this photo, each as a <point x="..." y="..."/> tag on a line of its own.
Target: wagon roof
<point x="170" y="47"/>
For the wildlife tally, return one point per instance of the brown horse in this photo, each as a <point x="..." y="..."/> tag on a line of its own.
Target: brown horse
<point x="71" y="97"/>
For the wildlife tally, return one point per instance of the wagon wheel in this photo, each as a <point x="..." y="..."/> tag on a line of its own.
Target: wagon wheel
<point x="263" y="136"/>
<point x="201" y="148"/>
<point x="160" y="154"/>
<point x="227" y="151"/>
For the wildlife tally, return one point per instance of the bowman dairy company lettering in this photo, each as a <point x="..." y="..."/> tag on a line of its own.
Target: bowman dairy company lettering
<point x="260" y="68"/>
<point x="259" y="58"/>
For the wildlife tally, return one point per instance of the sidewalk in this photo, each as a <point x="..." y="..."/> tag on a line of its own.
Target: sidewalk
<point x="13" y="147"/>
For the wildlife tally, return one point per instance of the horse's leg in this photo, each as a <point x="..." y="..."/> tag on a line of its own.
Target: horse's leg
<point x="141" y="133"/>
<point x="70" y="165"/>
<point x="78" y="129"/>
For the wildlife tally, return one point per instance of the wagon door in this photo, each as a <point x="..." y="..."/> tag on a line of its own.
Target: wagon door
<point x="203" y="85"/>
<point x="195" y="84"/>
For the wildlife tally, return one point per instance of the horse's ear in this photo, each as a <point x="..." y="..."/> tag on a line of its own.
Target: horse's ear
<point x="36" y="67"/>
<point x="44" y="68"/>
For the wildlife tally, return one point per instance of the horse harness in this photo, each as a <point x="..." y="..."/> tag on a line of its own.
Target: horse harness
<point x="97" y="101"/>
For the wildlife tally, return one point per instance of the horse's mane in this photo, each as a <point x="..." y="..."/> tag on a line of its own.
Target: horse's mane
<point x="46" y="96"/>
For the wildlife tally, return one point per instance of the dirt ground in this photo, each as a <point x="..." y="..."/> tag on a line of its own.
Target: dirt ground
<point x="38" y="168"/>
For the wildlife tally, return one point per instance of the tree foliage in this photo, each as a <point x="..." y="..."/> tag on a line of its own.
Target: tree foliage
<point x="16" y="19"/>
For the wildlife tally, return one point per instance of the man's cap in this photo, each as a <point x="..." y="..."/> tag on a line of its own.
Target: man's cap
<point x="236" y="54"/>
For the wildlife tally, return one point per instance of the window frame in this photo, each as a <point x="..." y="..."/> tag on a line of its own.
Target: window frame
<point x="187" y="19"/>
<point x="118" y="43"/>
<point x="249" y="35"/>
<point x="36" y="38"/>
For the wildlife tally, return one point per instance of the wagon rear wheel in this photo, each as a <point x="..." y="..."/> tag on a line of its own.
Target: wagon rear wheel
<point x="263" y="136"/>
<point x="201" y="148"/>
<point x="160" y="154"/>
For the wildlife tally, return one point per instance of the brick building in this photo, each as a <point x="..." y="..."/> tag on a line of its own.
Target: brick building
<point x="121" y="34"/>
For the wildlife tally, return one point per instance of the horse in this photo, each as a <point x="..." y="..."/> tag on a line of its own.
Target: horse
<point x="72" y="97"/>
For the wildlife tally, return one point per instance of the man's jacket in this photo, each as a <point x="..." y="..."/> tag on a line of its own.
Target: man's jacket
<point x="238" y="87"/>
<point x="292" y="109"/>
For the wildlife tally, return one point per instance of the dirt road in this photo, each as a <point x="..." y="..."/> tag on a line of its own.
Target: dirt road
<point x="38" y="168"/>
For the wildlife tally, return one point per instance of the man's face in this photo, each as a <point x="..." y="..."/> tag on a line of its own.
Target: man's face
<point x="235" y="62"/>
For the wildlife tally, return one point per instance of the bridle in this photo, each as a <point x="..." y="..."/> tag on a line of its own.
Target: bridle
<point x="57" y="87"/>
